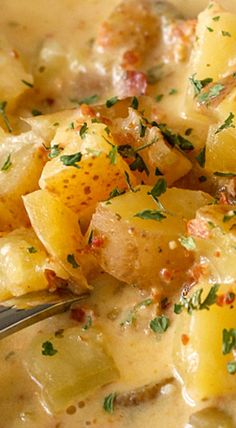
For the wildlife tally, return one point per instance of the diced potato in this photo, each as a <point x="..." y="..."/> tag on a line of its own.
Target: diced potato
<point x="93" y="178"/>
<point x="140" y="251"/>
<point x="200" y="362"/>
<point x="80" y="365"/>
<point x="215" y="236"/>
<point x="21" y="162"/>
<point x="22" y="264"/>
<point x="221" y="150"/>
<point x="158" y="153"/>
<point x="58" y="229"/>
<point x="13" y="74"/>
<point x="211" y="33"/>
<point x="227" y="105"/>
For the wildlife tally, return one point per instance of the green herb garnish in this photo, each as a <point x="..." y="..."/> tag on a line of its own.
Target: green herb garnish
<point x="198" y="85"/>
<point x="228" y="123"/>
<point x="159" y="324"/>
<point x="224" y="174"/>
<point x="111" y="102"/>
<point x="71" y="160"/>
<point x="83" y="130"/>
<point x="30" y="85"/>
<point x="225" y="33"/>
<point x="32" y="250"/>
<point x="150" y="215"/>
<point x="3" y="105"/>
<point x="48" y="349"/>
<point x="88" y="323"/>
<point x="113" y="154"/>
<point x="132" y="315"/>
<point x="54" y="151"/>
<point x="36" y="112"/>
<point x="109" y="401"/>
<point x="213" y="92"/>
<point x="87" y="100"/>
<point x="72" y="261"/>
<point x="159" y="97"/>
<point x="195" y="302"/>
<point x="7" y="164"/>
<point x="201" y="157"/>
<point x="135" y="103"/>
<point x="229" y="216"/>
<point x="187" y="242"/>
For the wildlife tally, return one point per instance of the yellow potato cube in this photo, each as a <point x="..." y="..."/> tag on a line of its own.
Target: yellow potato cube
<point x="58" y="229"/>
<point x="22" y="264"/>
<point x="139" y="250"/>
<point x="80" y="185"/>
<point x="198" y="352"/>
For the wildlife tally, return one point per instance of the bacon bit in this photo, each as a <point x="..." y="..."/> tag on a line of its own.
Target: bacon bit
<point x="54" y="281"/>
<point x="167" y="275"/>
<point x="199" y="228"/>
<point x="217" y="253"/>
<point x="87" y="110"/>
<point x="130" y="58"/>
<point x="224" y="198"/>
<point x="185" y="339"/>
<point x="77" y="314"/>
<point x="104" y="38"/>
<point x="225" y="299"/>
<point x="97" y="242"/>
<point x="133" y="84"/>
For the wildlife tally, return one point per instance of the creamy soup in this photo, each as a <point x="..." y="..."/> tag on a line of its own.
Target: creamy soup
<point x="56" y="41"/>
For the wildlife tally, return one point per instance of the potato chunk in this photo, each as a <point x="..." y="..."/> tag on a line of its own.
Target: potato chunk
<point x="79" y="365"/>
<point x="138" y="250"/>
<point x="157" y="153"/>
<point x="21" y="162"/>
<point x="22" y="263"/>
<point x="214" y="234"/>
<point x="200" y="362"/>
<point x="90" y="180"/>
<point x="58" y="229"/>
<point x="221" y="150"/>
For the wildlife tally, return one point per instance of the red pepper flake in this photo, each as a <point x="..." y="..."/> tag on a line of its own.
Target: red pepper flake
<point x="217" y="253"/>
<point x="199" y="228"/>
<point x="77" y="314"/>
<point x="87" y="110"/>
<point x="225" y="299"/>
<point x="97" y="242"/>
<point x="185" y="339"/>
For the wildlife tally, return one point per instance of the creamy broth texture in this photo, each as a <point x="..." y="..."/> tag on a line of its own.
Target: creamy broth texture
<point x="38" y="29"/>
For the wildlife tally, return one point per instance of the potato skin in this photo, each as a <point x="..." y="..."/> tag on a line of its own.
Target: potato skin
<point x="137" y="251"/>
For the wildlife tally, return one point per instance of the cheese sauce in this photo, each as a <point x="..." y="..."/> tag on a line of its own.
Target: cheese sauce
<point x="33" y="27"/>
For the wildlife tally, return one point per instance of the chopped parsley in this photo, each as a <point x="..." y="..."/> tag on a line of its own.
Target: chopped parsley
<point x="188" y="131"/>
<point x="231" y="367"/>
<point x="201" y="157"/>
<point x="159" y="97"/>
<point x="48" y="349"/>
<point x="228" y="123"/>
<point x="127" y="179"/>
<point x="173" y="91"/>
<point x="3" y="105"/>
<point x="159" y="324"/>
<point x="225" y="33"/>
<point x="158" y="189"/>
<point x="210" y="29"/>
<point x="229" y="216"/>
<point x="142" y="129"/>
<point x="224" y="174"/>
<point x="36" y="112"/>
<point x="83" y="130"/>
<point x="109" y="401"/>
<point x="88" y="323"/>
<point x="92" y="99"/>
<point x="32" y="250"/>
<point x="213" y="92"/>
<point x="7" y="164"/>
<point x="158" y="172"/>
<point x="228" y="340"/>
<point x="71" y="160"/>
<point x="198" y="85"/>
<point x="90" y="238"/>
<point x="29" y="84"/>
<point x="116" y="192"/>
<point x="135" y="103"/>
<point x="216" y="18"/>
<point x="113" y="154"/>
<point x="111" y="102"/>
<point x="150" y="215"/>
<point x="187" y="242"/>
<point x="55" y="150"/>
<point x="72" y="261"/>
<point x="195" y="301"/>
<point x="174" y="139"/>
